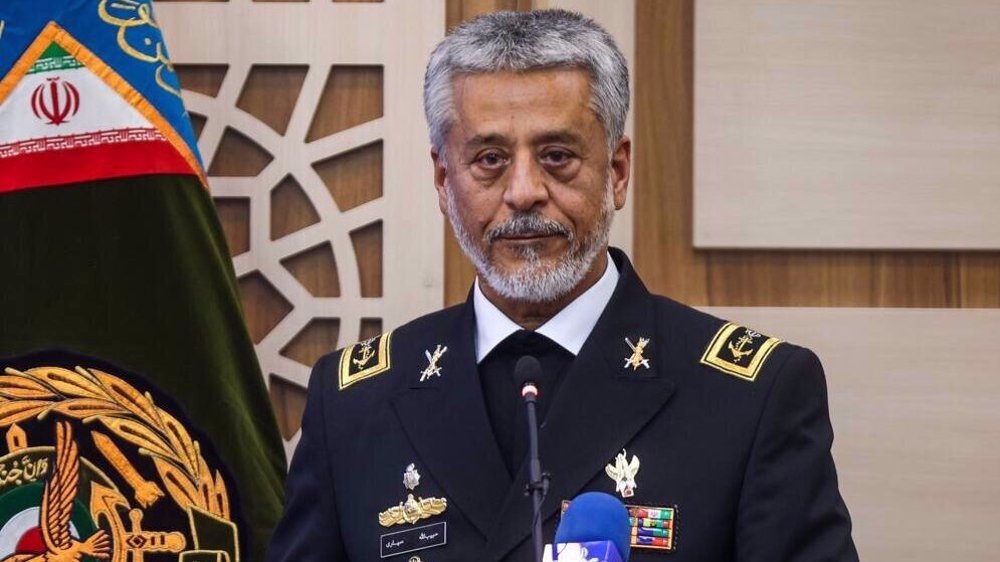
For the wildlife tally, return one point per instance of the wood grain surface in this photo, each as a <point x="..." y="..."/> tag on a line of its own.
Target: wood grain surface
<point x="664" y="253"/>
<point x="352" y="95"/>
<point x="847" y="124"/>
<point x="270" y="93"/>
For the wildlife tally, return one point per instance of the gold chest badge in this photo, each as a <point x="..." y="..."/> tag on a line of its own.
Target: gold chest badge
<point x="638" y="358"/>
<point x="414" y="508"/>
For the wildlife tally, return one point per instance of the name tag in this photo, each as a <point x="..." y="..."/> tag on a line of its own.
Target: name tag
<point x="412" y="540"/>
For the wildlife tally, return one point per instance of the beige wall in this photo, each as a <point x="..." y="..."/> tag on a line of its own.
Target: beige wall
<point x="849" y="124"/>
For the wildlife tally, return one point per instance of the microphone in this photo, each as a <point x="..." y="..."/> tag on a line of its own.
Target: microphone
<point x="527" y="373"/>
<point x="595" y="524"/>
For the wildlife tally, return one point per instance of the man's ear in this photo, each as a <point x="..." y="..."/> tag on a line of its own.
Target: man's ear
<point x="621" y="170"/>
<point x="440" y="176"/>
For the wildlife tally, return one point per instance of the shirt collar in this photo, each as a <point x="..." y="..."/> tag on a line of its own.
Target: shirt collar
<point x="569" y="328"/>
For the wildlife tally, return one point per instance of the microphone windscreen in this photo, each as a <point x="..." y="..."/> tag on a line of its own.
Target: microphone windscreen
<point x="527" y="369"/>
<point x="596" y="516"/>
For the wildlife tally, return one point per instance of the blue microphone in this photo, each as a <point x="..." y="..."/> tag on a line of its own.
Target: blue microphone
<point x="595" y="517"/>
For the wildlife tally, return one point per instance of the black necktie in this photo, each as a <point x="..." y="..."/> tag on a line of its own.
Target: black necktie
<point x="503" y="399"/>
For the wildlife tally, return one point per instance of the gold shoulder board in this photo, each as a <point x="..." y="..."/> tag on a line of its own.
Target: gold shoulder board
<point x="739" y="351"/>
<point x="364" y="360"/>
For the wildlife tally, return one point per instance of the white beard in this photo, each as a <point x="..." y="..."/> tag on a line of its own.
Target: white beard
<point x="535" y="281"/>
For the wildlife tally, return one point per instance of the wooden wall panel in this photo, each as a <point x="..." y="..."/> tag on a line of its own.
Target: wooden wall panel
<point x="847" y="124"/>
<point x="664" y="251"/>
<point x="352" y="95"/>
<point x="461" y="10"/>
<point x="270" y="93"/>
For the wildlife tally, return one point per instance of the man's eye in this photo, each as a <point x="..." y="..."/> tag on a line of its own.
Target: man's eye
<point x="491" y="160"/>
<point x="556" y="157"/>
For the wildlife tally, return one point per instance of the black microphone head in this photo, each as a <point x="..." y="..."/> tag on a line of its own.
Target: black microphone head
<point x="527" y="373"/>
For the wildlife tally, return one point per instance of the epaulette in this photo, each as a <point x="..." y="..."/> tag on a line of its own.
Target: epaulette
<point x="739" y="351"/>
<point x="364" y="360"/>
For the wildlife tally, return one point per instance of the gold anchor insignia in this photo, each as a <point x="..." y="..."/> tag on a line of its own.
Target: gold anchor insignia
<point x="432" y="369"/>
<point x="414" y="508"/>
<point x="636" y="360"/>
<point x="740" y="351"/>
<point x="367" y="352"/>
<point x="364" y="360"/>
<point x="623" y="473"/>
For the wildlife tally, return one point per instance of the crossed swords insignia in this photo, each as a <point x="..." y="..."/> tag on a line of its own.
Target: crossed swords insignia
<point x="636" y="360"/>
<point x="432" y="369"/>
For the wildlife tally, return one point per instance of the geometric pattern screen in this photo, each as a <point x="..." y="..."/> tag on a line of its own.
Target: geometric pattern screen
<point x="313" y="142"/>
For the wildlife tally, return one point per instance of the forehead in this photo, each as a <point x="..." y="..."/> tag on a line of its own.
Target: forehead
<point x="518" y="103"/>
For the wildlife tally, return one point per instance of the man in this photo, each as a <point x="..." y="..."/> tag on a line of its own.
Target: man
<point x="413" y="443"/>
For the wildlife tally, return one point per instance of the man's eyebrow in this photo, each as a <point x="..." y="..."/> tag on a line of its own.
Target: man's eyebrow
<point x="487" y="139"/>
<point x="564" y="137"/>
<point x="497" y="139"/>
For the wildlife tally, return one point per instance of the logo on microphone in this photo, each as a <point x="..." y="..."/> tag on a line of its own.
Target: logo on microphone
<point x="56" y="100"/>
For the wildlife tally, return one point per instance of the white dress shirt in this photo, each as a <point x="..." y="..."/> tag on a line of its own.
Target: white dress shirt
<point x="569" y="328"/>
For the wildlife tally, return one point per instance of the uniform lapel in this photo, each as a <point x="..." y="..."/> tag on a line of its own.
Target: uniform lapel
<point x="600" y="407"/>
<point x="445" y="419"/>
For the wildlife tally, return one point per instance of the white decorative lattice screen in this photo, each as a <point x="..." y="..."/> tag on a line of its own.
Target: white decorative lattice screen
<point x="313" y="41"/>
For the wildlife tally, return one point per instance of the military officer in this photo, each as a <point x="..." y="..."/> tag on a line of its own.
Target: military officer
<point x="413" y="443"/>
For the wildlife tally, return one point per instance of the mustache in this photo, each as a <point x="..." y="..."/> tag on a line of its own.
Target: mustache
<point x="527" y="224"/>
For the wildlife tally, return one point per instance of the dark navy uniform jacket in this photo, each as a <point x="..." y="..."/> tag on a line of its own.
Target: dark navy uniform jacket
<point x="737" y="440"/>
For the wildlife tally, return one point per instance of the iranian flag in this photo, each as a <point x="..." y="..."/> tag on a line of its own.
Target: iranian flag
<point x="63" y="124"/>
<point x="110" y="246"/>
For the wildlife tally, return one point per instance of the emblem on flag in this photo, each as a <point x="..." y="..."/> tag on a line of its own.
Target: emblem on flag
<point x="55" y="100"/>
<point x="97" y="468"/>
<point x="69" y="117"/>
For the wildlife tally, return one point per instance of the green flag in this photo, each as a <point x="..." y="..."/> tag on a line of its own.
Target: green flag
<point x="122" y="337"/>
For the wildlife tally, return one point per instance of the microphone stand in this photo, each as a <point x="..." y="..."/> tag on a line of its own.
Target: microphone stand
<point x="538" y="481"/>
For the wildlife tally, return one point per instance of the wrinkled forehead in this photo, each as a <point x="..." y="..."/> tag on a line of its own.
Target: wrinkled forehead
<point x="522" y="102"/>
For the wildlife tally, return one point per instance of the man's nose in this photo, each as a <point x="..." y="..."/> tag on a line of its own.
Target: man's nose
<point x="526" y="186"/>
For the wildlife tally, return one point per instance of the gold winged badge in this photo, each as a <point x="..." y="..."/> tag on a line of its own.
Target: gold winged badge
<point x="57" y="508"/>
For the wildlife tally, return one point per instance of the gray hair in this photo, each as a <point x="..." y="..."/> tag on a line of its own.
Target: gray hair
<point x="523" y="41"/>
